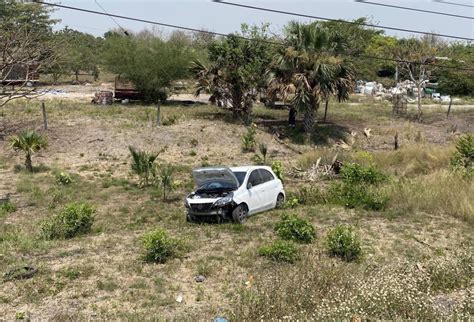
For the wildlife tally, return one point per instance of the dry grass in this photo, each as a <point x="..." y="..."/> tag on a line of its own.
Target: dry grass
<point x="101" y="275"/>
<point x="440" y="192"/>
<point x="335" y="290"/>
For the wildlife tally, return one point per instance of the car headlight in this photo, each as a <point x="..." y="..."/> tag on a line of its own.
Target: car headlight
<point x="223" y="201"/>
<point x="186" y="203"/>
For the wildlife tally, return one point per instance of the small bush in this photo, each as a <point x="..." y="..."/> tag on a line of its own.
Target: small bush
<point x="166" y="179"/>
<point x="170" y="120"/>
<point x="248" y="139"/>
<point x="357" y="196"/>
<point x="290" y="227"/>
<point x="291" y="203"/>
<point x="75" y="219"/>
<point x="310" y="196"/>
<point x="7" y="207"/>
<point x="194" y="142"/>
<point x="159" y="246"/>
<point x="277" y="168"/>
<point x="343" y="242"/>
<point x="463" y="158"/>
<point x="63" y="178"/>
<point x="280" y="251"/>
<point x="143" y="165"/>
<point x="355" y="173"/>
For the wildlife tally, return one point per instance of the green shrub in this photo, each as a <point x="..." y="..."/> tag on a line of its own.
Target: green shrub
<point x="343" y="242"/>
<point x="356" y="173"/>
<point x="357" y="196"/>
<point x="63" y="178"/>
<point x="75" y="219"/>
<point x="290" y="227"/>
<point x="463" y="158"/>
<point x="143" y="165"/>
<point x="248" y="139"/>
<point x="291" y="203"/>
<point x="280" y="251"/>
<point x="277" y="168"/>
<point x="159" y="246"/>
<point x="166" y="179"/>
<point x="170" y="120"/>
<point x="7" y="207"/>
<point x="310" y="196"/>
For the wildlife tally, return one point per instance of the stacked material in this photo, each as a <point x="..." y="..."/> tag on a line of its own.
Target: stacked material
<point x="103" y="98"/>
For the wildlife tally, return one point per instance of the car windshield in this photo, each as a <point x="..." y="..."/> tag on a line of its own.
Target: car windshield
<point x="216" y="185"/>
<point x="240" y="175"/>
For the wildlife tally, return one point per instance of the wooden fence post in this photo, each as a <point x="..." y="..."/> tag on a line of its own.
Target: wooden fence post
<point x="158" y="117"/>
<point x="45" y="119"/>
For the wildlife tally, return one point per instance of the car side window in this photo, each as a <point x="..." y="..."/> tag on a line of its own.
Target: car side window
<point x="254" y="178"/>
<point x="266" y="175"/>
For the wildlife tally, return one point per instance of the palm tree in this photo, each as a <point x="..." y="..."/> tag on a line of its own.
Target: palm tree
<point x="143" y="165"/>
<point x="310" y="70"/>
<point x="29" y="142"/>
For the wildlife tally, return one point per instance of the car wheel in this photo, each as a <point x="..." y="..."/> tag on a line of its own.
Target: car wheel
<point x="239" y="215"/>
<point x="280" y="201"/>
<point x="190" y="218"/>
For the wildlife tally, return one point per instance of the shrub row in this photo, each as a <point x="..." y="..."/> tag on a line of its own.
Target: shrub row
<point x="341" y="241"/>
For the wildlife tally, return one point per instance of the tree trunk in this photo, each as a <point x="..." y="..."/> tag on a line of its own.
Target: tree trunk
<point x="420" y="112"/>
<point x="449" y="107"/>
<point x="248" y="111"/>
<point x="77" y="75"/>
<point x="236" y="102"/>
<point x="309" y="117"/>
<point x="308" y="120"/>
<point x="292" y="117"/>
<point x="326" y="109"/>
<point x="28" y="162"/>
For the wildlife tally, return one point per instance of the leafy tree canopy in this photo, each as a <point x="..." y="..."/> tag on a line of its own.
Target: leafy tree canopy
<point x="149" y="62"/>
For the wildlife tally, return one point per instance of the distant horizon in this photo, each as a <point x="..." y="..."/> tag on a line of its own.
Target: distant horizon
<point x="206" y="15"/>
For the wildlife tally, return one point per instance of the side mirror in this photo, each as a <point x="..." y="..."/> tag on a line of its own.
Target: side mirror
<point x="249" y="185"/>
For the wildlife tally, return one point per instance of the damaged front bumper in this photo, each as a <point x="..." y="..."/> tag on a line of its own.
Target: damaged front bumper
<point x="203" y="210"/>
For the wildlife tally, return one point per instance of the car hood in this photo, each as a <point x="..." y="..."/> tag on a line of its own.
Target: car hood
<point x="203" y="175"/>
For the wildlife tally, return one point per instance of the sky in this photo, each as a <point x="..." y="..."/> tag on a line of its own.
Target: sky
<point x="208" y="15"/>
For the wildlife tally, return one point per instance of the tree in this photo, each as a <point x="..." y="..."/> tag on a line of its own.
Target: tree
<point x="149" y="62"/>
<point x="27" y="46"/>
<point x="417" y="56"/>
<point x="310" y="70"/>
<point x="237" y="72"/>
<point x="456" y="82"/>
<point x="29" y="142"/>
<point x="79" y="53"/>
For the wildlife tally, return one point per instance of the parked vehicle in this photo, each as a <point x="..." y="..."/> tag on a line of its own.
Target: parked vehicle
<point x="233" y="193"/>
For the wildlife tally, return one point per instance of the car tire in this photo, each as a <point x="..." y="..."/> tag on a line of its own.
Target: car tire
<point x="239" y="214"/>
<point x="280" y="200"/>
<point x="190" y="218"/>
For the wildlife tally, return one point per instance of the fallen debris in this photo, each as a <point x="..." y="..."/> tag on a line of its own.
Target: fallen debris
<point x="19" y="273"/>
<point x="200" y="278"/>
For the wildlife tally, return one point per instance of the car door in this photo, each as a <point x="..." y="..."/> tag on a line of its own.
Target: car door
<point x="254" y="192"/>
<point x="269" y="188"/>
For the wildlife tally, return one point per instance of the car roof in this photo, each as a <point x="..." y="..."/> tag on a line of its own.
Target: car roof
<point x="247" y="168"/>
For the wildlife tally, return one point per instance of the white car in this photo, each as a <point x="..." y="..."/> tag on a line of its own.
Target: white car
<point x="233" y="193"/>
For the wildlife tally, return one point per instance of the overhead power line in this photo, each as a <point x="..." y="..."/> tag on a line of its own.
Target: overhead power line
<point x="413" y="9"/>
<point x="455" y="3"/>
<point x="275" y="43"/>
<point x="337" y="20"/>
<point x="124" y="31"/>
